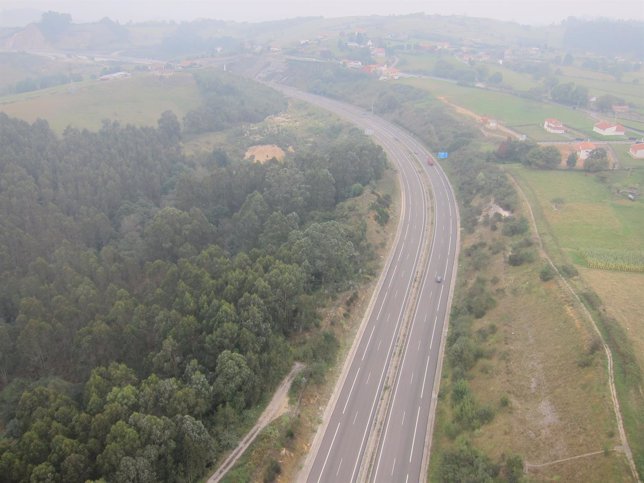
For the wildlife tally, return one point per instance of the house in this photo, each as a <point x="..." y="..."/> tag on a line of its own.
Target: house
<point x="378" y="52"/>
<point x="637" y="150"/>
<point x="371" y="68"/>
<point x="489" y="123"/>
<point x="584" y="149"/>
<point x="606" y="128"/>
<point x="620" y="107"/>
<point x="387" y="73"/>
<point x="115" y="75"/>
<point x="554" y="126"/>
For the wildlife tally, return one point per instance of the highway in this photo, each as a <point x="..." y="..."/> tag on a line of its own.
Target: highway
<point x="347" y="447"/>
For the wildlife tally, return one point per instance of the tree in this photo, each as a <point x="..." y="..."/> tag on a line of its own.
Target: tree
<point x="496" y="78"/>
<point x="233" y="380"/>
<point x="571" y="160"/>
<point x="44" y="473"/>
<point x="597" y="160"/>
<point x="34" y="343"/>
<point x="194" y="447"/>
<point x="570" y="94"/>
<point x="605" y="103"/>
<point x="54" y="24"/>
<point x="544" y="158"/>
<point x="122" y="441"/>
<point x="169" y="128"/>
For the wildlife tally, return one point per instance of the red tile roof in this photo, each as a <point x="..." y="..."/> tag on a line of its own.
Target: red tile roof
<point x="583" y="146"/>
<point x="603" y="125"/>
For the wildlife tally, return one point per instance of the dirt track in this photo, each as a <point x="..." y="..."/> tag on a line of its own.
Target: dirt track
<point x="275" y="408"/>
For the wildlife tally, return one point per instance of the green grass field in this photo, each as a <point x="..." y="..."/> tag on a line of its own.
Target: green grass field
<point x="590" y="217"/>
<point x="139" y="100"/>
<point x="536" y="132"/>
<point x="507" y="108"/>
<point x="625" y="159"/>
<point x="599" y="84"/>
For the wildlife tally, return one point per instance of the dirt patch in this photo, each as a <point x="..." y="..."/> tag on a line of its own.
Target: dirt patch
<point x="264" y="152"/>
<point x="492" y="209"/>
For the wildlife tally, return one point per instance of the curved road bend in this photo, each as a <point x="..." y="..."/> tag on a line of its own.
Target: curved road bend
<point x="339" y="448"/>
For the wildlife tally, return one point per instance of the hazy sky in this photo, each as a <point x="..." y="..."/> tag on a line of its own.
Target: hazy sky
<point x="523" y="11"/>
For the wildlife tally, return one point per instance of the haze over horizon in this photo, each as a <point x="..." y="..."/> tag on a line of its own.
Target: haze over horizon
<point x="522" y="11"/>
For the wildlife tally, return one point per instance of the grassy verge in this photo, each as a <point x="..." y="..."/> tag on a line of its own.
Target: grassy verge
<point x="535" y="383"/>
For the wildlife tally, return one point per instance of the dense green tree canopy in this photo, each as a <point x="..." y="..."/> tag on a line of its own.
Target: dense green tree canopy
<point x="149" y="299"/>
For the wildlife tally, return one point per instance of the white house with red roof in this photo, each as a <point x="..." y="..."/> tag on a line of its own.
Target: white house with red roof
<point x="584" y="149"/>
<point x="606" y="128"/>
<point x="637" y="150"/>
<point x="554" y="126"/>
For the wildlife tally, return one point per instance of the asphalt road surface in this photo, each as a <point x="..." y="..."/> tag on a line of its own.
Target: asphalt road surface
<point x="339" y="450"/>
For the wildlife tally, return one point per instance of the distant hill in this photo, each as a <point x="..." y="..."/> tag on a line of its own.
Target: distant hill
<point x="169" y="40"/>
<point x="105" y="35"/>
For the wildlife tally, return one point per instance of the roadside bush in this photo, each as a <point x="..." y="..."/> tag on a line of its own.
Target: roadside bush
<point x="381" y="207"/>
<point x="460" y="390"/>
<point x="547" y="273"/>
<point x="478" y="299"/>
<point x="480" y="304"/>
<point x="462" y="356"/>
<point x="466" y="464"/>
<point x="273" y="471"/>
<point x="459" y="326"/>
<point x="484" y="332"/>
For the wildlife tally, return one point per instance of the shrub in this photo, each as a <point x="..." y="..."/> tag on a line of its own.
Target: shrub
<point x="466" y="463"/>
<point x="519" y="257"/>
<point x="515" y="226"/>
<point x="462" y="355"/>
<point x="568" y="270"/>
<point x="460" y="390"/>
<point x="273" y="471"/>
<point x="356" y="190"/>
<point x="546" y="273"/>
<point x="514" y="469"/>
<point x="591" y="299"/>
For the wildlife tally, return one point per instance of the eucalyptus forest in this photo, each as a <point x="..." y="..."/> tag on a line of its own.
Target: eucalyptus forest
<point x="149" y="298"/>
